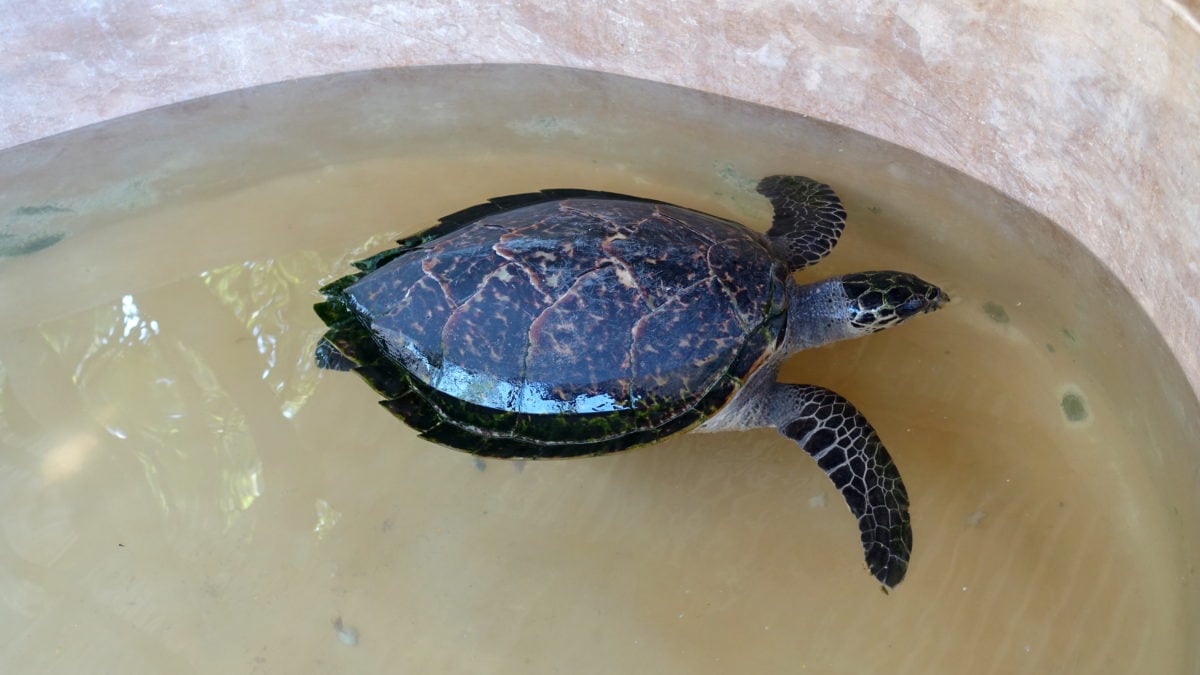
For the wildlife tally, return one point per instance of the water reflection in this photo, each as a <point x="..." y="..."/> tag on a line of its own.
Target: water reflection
<point x="145" y="389"/>
<point x="68" y="457"/>
<point x="136" y="329"/>
<point x="264" y="295"/>
<point x="327" y="517"/>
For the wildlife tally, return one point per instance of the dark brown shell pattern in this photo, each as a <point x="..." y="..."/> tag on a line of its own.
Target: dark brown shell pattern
<point x="581" y="305"/>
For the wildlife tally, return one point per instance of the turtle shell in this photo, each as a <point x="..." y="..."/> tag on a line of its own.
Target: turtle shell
<point x="561" y="323"/>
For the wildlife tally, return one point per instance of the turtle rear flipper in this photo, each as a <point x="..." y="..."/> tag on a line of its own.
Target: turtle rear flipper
<point x="849" y="451"/>
<point x="329" y="358"/>
<point x="808" y="218"/>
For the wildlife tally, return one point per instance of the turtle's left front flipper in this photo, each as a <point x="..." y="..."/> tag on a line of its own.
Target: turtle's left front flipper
<point x="845" y="446"/>
<point x="809" y="218"/>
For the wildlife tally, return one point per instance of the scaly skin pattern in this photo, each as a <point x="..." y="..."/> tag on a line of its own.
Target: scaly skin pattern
<point x="878" y="300"/>
<point x="825" y="424"/>
<point x="800" y="200"/>
<point x="849" y="451"/>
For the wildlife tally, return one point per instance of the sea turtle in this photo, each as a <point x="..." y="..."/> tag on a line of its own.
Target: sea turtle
<point x="565" y="323"/>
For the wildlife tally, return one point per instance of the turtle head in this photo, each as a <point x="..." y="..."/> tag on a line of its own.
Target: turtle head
<point x="878" y="300"/>
<point x="855" y="305"/>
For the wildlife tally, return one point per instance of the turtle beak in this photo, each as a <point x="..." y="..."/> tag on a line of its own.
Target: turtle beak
<point x="936" y="298"/>
<point x="925" y="299"/>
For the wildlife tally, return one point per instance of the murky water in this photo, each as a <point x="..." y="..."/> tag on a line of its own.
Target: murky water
<point x="181" y="490"/>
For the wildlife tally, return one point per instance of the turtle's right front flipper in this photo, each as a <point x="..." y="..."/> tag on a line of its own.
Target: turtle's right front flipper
<point x="845" y="446"/>
<point x="808" y="218"/>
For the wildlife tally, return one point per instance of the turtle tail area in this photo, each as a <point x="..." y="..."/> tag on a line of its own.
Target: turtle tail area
<point x="349" y="345"/>
<point x="346" y="336"/>
<point x="336" y="349"/>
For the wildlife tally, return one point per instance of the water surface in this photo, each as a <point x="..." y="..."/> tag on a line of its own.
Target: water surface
<point x="181" y="490"/>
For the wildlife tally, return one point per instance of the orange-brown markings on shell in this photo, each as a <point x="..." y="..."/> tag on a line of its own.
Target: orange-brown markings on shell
<point x="625" y="274"/>
<point x="625" y="277"/>
<point x="427" y="265"/>
<point x="569" y="335"/>
<point x="671" y="373"/>
<point x="540" y="342"/>
<point x="542" y="285"/>
<point x="461" y="276"/>
<point x="516" y="272"/>
<point x="572" y="336"/>
<point x="484" y="332"/>
<point x="743" y="276"/>
<point x="660" y="277"/>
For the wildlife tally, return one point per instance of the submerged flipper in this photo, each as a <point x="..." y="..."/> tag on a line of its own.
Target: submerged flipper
<point x="849" y="451"/>
<point x="808" y="218"/>
<point x="329" y="358"/>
